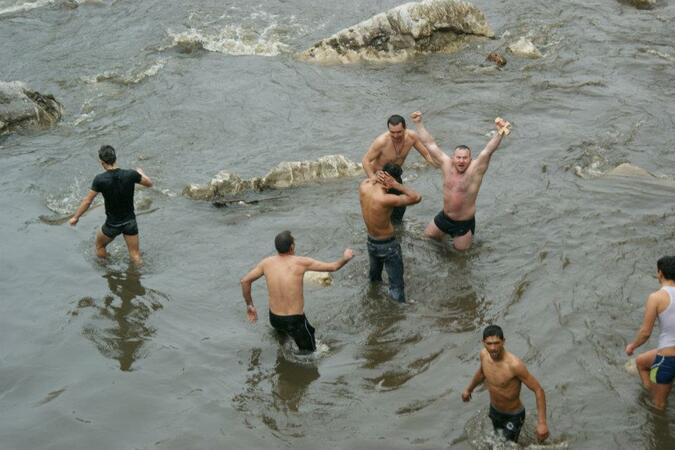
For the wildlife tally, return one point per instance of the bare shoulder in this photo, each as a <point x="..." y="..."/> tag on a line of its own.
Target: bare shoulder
<point x="516" y="365"/>
<point x="658" y="299"/>
<point x="380" y="140"/>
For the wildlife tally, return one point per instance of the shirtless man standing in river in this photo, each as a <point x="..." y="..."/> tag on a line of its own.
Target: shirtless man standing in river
<point x="377" y="204"/>
<point x="503" y="374"/>
<point x="284" y="276"/>
<point x="393" y="147"/>
<point x="462" y="178"/>
<point x="657" y="367"/>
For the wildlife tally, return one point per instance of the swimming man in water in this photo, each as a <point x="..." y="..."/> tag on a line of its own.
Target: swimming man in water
<point x="394" y="146"/>
<point x="462" y="178"/>
<point x="284" y="274"/>
<point x="657" y="367"/>
<point x="503" y="374"/>
<point x="377" y="203"/>
<point x="117" y="186"/>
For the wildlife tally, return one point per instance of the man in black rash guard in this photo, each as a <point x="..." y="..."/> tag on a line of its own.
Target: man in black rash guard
<point x="117" y="186"/>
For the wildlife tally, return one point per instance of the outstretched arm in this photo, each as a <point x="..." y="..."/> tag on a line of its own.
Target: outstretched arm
<point x="422" y="150"/>
<point x="84" y="206"/>
<point x="477" y="379"/>
<point x="371" y="156"/>
<point x="145" y="180"/>
<point x="484" y="156"/>
<point x="246" y="283"/>
<point x="428" y="140"/>
<point x="531" y="382"/>
<point x="320" y="266"/>
<point x="645" y="330"/>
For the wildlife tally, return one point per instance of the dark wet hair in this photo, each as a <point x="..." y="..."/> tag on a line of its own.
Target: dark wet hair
<point x="493" y="330"/>
<point x="395" y="120"/>
<point x="666" y="265"/>
<point x="283" y="242"/>
<point x="394" y="170"/>
<point x="463" y="147"/>
<point x="107" y="154"/>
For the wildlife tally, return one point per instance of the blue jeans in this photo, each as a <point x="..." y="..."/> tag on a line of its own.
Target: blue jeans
<point x="387" y="253"/>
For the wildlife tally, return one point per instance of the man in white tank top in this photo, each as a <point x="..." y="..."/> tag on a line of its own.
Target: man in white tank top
<point x="657" y="367"/>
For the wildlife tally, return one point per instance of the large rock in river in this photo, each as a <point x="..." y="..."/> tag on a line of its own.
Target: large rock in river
<point x="21" y="107"/>
<point x="286" y="174"/>
<point x="404" y="31"/>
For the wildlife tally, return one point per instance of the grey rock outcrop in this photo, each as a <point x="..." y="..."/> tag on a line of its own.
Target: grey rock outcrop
<point x="22" y="107"/>
<point x="286" y="174"/>
<point x="407" y="30"/>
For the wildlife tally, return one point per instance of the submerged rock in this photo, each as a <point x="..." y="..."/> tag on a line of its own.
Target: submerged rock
<point x="496" y="58"/>
<point x="22" y="107"/>
<point x="287" y="174"/>
<point x="525" y="48"/>
<point x="319" y="278"/>
<point x="628" y="170"/>
<point x="641" y="4"/>
<point x="410" y="29"/>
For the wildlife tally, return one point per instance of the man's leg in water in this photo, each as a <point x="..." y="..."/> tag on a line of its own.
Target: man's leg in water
<point x="134" y="248"/>
<point x="394" y="267"/>
<point x="644" y="362"/>
<point x="660" y="394"/>
<point x="463" y="242"/>
<point x="101" y="242"/>
<point x="376" y="263"/>
<point x="433" y="231"/>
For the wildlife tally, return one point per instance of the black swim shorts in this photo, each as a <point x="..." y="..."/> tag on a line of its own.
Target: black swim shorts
<point x="129" y="228"/>
<point x="454" y="228"/>
<point x="297" y="327"/>
<point x="507" y="423"/>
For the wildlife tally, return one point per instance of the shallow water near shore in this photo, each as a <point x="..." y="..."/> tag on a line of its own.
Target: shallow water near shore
<point x="101" y="355"/>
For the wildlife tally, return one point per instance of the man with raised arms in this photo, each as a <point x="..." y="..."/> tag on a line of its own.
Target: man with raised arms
<point x="462" y="178"/>
<point x="284" y="276"/>
<point x="657" y="367"/>
<point x="503" y="374"/>
<point x="117" y="186"/>
<point x="377" y="204"/>
<point x="393" y="146"/>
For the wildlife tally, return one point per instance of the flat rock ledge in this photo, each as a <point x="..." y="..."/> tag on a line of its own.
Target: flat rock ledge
<point x="21" y="107"/>
<point x="285" y="175"/>
<point x="402" y="32"/>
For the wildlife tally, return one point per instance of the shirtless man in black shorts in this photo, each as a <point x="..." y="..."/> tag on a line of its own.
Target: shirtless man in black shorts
<point x="284" y="276"/>
<point x="117" y="186"/>
<point x="503" y="374"/>
<point x="462" y="178"/>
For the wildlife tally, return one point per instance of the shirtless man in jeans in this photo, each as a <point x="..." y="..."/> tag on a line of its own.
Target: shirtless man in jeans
<point x="284" y="276"/>
<point x="462" y="178"/>
<point x="503" y="374"/>
<point x="377" y="203"/>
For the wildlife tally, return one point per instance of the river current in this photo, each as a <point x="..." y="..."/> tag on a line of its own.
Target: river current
<point x="101" y="355"/>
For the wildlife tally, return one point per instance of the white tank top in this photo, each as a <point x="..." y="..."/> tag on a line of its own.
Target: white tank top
<point x="667" y="321"/>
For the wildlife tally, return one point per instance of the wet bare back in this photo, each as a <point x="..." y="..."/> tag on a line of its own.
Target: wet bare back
<point x="376" y="209"/>
<point x="284" y="275"/>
